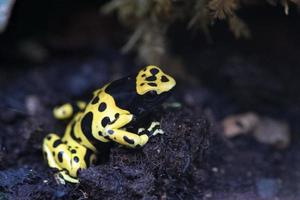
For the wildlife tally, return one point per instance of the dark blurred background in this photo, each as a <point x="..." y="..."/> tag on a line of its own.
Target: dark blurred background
<point x="259" y="72"/>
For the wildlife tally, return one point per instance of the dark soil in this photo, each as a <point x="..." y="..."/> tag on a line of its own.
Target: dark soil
<point x="169" y="166"/>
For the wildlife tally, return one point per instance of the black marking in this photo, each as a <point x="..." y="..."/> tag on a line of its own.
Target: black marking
<point x="102" y="107"/>
<point x="65" y="142"/>
<point x="78" y="171"/>
<point x="105" y="121"/>
<point x="86" y="123"/>
<point x="100" y="133"/>
<point x="53" y="153"/>
<point x="49" y="137"/>
<point x="73" y="151"/>
<point x="117" y="115"/>
<point x="143" y="75"/>
<point x="151" y="78"/>
<point x="110" y="132"/>
<point x="99" y="92"/>
<point x="107" y="137"/>
<point x="138" y="146"/>
<point x="56" y="143"/>
<point x="129" y="141"/>
<point x="87" y="157"/>
<point x="75" y="107"/>
<point x="123" y="92"/>
<point x="145" y="69"/>
<point x="156" y="127"/>
<point x="95" y="100"/>
<point x="164" y="79"/>
<point x="152" y="84"/>
<point x="76" y="159"/>
<point x="72" y="133"/>
<point x="60" y="156"/>
<point x="154" y="71"/>
<point x="86" y="127"/>
<point x="142" y="84"/>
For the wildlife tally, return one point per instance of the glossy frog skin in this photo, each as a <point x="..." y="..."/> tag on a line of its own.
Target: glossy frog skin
<point x="113" y="108"/>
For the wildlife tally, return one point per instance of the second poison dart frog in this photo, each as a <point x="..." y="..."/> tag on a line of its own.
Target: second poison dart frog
<point x="108" y="117"/>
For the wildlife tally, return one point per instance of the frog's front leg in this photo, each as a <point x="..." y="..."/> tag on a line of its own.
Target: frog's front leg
<point x="116" y="133"/>
<point x="127" y="138"/>
<point x="68" y="158"/>
<point x="67" y="110"/>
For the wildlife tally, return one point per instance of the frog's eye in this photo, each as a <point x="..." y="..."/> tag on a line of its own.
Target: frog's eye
<point x="151" y="94"/>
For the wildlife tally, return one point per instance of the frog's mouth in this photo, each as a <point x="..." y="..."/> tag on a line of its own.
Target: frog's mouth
<point x="163" y="96"/>
<point x="159" y="100"/>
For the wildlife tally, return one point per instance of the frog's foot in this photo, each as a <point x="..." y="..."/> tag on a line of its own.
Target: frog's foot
<point x="63" y="176"/>
<point x="153" y="129"/>
<point x="67" y="110"/>
<point x="68" y="158"/>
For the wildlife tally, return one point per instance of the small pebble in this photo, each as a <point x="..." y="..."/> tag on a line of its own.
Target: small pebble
<point x="267" y="187"/>
<point x="33" y="104"/>
<point x="60" y="194"/>
<point x="215" y="169"/>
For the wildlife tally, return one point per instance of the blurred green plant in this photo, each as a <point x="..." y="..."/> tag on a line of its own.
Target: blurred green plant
<point x="150" y="19"/>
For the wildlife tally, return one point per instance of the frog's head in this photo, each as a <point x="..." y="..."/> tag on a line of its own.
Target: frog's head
<point x="153" y="86"/>
<point x="152" y="80"/>
<point x="141" y="92"/>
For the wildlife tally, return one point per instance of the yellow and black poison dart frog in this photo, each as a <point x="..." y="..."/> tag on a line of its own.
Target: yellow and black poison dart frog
<point x="105" y="118"/>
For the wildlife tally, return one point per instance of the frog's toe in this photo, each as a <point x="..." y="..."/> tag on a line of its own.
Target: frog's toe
<point x="158" y="131"/>
<point x="63" y="176"/>
<point x="141" y="130"/>
<point x="155" y="129"/>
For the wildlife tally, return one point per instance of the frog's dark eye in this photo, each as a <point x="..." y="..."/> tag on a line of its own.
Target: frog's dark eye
<point x="151" y="94"/>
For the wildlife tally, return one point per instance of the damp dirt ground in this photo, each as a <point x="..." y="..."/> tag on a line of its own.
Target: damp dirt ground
<point x="190" y="161"/>
<point x="170" y="165"/>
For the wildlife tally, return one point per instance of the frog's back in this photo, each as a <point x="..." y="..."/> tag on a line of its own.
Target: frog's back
<point x="88" y="127"/>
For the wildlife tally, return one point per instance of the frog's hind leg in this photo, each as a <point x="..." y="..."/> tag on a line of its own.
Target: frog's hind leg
<point x="68" y="159"/>
<point x="63" y="176"/>
<point x="67" y="110"/>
